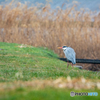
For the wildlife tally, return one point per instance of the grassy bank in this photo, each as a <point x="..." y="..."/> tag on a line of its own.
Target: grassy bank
<point x="27" y="72"/>
<point x="23" y="62"/>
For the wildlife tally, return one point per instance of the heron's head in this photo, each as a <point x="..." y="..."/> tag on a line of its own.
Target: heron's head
<point x="63" y="47"/>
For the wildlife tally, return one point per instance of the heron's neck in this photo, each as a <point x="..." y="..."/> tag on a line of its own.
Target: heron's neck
<point x="64" y="49"/>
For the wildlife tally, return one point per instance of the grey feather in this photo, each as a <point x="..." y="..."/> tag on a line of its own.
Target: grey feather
<point x="70" y="54"/>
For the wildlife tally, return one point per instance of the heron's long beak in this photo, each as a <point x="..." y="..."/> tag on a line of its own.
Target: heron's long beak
<point x="59" y="47"/>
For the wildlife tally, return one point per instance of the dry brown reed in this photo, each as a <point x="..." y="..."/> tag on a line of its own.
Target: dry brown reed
<point x="51" y="28"/>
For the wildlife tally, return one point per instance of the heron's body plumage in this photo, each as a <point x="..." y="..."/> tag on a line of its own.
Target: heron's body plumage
<point x="70" y="54"/>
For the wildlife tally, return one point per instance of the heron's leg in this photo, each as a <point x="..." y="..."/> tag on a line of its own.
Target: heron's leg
<point x="67" y="65"/>
<point x="72" y="65"/>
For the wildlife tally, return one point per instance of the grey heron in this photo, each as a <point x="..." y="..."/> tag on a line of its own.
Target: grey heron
<point x="69" y="53"/>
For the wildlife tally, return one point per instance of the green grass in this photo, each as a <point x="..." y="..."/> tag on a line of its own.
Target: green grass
<point x="46" y="94"/>
<point x="30" y="63"/>
<point x="34" y="62"/>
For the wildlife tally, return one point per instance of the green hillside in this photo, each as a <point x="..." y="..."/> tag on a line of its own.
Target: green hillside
<point x="24" y="63"/>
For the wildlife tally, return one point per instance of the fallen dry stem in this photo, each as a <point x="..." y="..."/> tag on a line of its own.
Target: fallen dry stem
<point x="80" y="83"/>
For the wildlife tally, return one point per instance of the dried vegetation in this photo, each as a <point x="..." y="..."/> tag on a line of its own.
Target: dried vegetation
<point x="79" y="83"/>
